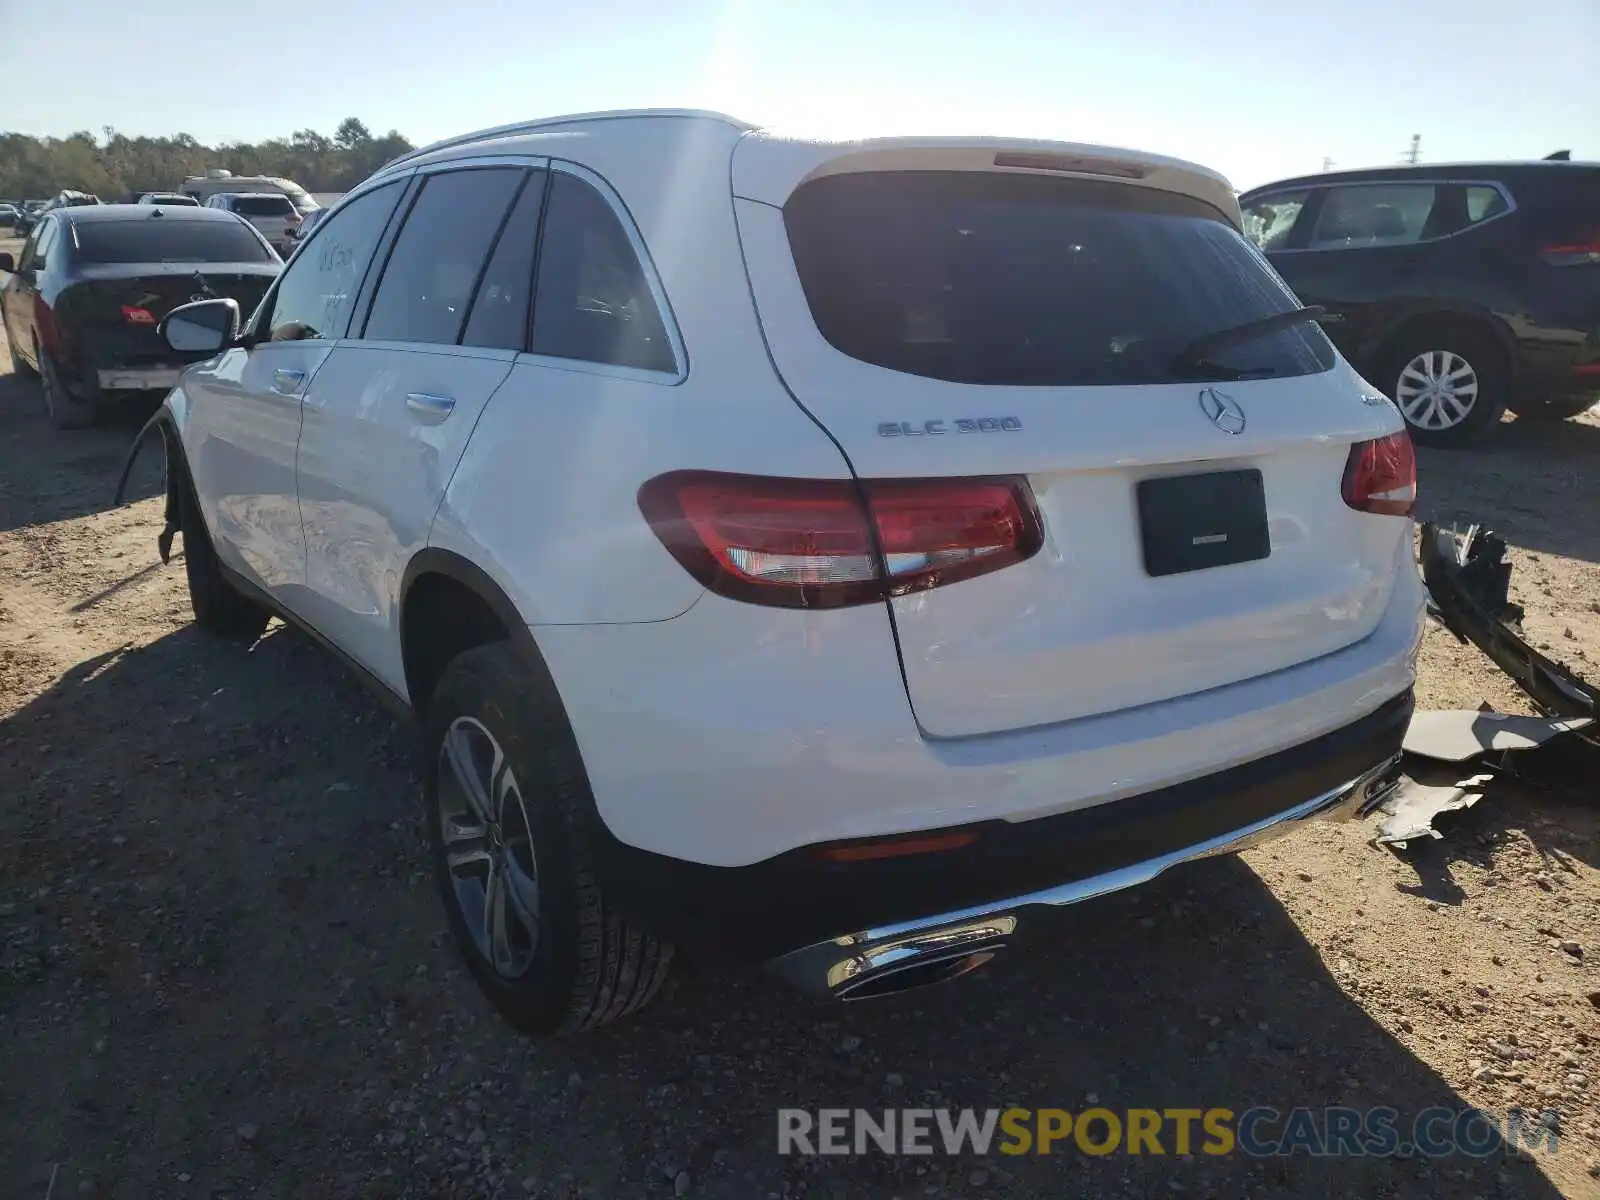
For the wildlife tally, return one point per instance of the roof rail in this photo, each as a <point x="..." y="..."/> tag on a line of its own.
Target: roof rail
<point x="500" y="131"/>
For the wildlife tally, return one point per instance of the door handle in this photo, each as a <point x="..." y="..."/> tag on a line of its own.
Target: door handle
<point x="433" y="408"/>
<point x="287" y="381"/>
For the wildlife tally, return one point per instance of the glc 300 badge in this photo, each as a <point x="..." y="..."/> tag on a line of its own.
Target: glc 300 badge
<point x="894" y="429"/>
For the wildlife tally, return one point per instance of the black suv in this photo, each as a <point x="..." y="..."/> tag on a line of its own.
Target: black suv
<point x="1460" y="290"/>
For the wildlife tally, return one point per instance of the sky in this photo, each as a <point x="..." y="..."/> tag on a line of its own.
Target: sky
<point x="1256" y="89"/>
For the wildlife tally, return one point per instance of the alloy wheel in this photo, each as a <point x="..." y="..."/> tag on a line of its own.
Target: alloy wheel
<point x="488" y="847"/>
<point x="1436" y="390"/>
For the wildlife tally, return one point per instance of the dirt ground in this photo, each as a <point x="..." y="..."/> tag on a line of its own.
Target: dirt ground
<point x="224" y="972"/>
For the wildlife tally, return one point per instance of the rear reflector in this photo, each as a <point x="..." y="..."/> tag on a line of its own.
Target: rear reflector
<point x="826" y="543"/>
<point x="898" y="848"/>
<point x="137" y="316"/>
<point x="1570" y="254"/>
<point x="1381" y="476"/>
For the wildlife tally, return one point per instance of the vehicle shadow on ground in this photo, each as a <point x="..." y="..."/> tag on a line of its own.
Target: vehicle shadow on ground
<point x="218" y="911"/>
<point x="50" y="485"/>
<point x="1534" y="483"/>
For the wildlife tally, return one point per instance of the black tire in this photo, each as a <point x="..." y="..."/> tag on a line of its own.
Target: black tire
<point x="1485" y="360"/>
<point x="219" y="608"/>
<point x="66" y="411"/>
<point x="1553" y="408"/>
<point x="585" y="964"/>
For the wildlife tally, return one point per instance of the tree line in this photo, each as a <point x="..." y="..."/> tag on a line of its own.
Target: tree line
<point x="115" y="166"/>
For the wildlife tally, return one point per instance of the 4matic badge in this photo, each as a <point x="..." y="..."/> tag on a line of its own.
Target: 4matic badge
<point x="894" y="429"/>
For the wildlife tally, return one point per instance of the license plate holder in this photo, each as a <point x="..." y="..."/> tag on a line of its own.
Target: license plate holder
<point x="1195" y="522"/>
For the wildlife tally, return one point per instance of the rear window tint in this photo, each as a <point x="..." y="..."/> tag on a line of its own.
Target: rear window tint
<point x="153" y="239"/>
<point x="1029" y="280"/>
<point x="263" y="206"/>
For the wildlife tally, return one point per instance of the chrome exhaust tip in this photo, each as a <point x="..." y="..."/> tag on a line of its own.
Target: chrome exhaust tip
<point x="885" y="962"/>
<point x="919" y="974"/>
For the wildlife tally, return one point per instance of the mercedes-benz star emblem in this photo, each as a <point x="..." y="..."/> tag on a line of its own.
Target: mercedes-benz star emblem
<point x="1223" y="410"/>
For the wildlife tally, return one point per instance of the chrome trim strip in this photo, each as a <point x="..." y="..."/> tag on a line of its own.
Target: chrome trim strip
<point x="842" y="964"/>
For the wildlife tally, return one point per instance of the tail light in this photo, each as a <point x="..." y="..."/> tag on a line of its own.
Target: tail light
<point x="827" y="543"/>
<point x="1381" y="476"/>
<point x="137" y="316"/>
<point x="1574" y="253"/>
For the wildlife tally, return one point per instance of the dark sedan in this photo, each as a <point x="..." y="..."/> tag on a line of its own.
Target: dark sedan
<point x="82" y="306"/>
<point x="1460" y="290"/>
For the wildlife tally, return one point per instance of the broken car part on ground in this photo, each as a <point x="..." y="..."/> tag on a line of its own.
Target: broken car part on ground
<point x="1453" y="757"/>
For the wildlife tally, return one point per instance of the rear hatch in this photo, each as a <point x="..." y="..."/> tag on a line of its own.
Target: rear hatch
<point x="271" y="213"/>
<point x="127" y="275"/>
<point x="982" y="310"/>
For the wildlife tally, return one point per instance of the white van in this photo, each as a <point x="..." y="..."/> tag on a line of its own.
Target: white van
<point x="217" y="181"/>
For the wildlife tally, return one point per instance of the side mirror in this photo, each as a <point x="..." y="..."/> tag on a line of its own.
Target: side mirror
<point x="204" y="327"/>
<point x="7" y="263"/>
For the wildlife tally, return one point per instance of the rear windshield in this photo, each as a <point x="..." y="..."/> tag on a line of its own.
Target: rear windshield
<point x="153" y="240"/>
<point x="263" y="206"/>
<point x="1030" y="280"/>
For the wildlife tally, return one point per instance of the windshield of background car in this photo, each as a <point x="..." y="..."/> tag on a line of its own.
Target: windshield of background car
<point x="153" y="240"/>
<point x="990" y="278"/>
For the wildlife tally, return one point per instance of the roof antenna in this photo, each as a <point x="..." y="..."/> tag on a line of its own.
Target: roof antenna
<point x="1559" y="156"/>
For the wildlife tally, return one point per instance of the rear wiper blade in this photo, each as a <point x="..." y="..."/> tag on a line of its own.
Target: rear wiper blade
<point x="1197" y="351"/>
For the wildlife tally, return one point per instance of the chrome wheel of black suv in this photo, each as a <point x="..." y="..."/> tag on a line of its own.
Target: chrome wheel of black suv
<point x="1448" y="384"/>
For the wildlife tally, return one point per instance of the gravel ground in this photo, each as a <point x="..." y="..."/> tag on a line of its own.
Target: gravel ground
<point x="224" y="973"/>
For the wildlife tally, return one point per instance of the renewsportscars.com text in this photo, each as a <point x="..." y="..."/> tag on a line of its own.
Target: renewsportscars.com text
<point x="1258" y="1132"/>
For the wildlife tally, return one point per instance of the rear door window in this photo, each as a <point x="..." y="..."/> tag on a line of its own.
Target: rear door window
<point x="1484" y="202"/>
<point x="153" y="239"/>
<point x="317" y="290"/>
<point x="1269" y="221"/>
<point x="499" y="317"/>
<point x="1374" y="215"/>
<point x="439" y="255"/>
<point x="1028" y="280"/>
<point x="593" y="301"/>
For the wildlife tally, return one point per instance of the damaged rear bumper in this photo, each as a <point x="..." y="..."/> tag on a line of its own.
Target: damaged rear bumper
<point x="1468" y="578"/>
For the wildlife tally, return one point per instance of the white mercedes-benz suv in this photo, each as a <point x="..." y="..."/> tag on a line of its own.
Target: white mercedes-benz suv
<point x="821" y="552"/>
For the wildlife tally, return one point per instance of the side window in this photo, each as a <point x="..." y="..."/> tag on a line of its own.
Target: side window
<point x="499" y="318"/>
<point x="1269" y="220"/>
<point x="439" y="255"/>
<point x="1373" y="215"/>
<point x="592" y="301"/>
<point x="317" y="290"/>
<point x="30" y="249"/>
<point x="41" y="249"/>
<point x="1483" y="203"/>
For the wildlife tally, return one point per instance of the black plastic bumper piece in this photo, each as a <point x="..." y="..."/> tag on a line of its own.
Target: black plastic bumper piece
<point x="797" y="898"/>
